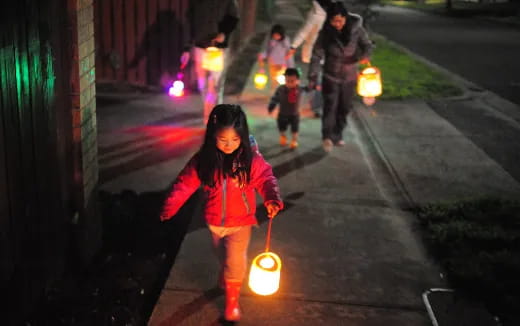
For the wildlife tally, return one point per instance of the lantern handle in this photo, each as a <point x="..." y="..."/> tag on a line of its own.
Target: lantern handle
<point x="268" y="240"/>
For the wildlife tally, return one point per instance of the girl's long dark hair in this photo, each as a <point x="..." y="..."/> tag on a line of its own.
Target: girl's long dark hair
<point x="212" y="163"/>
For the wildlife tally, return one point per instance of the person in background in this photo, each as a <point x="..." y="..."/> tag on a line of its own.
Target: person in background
<point x="230" y="170"/>
<point x="342" y="43"/>
<point x="274" y="53"/>
<point x="307" y="35"/>
<point x="288" y="97"/>
<point x="211" y="23"/>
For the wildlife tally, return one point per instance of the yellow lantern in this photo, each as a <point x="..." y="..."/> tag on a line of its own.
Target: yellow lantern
<point x="264" y="276"/>
<point x="260" y="80"/>
<point x="213" y="59"/>
<point x="369" y="82"/>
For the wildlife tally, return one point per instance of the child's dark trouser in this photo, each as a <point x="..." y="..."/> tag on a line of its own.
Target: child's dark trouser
<point x="337" y="98"/>
<point x="284" y="121"/>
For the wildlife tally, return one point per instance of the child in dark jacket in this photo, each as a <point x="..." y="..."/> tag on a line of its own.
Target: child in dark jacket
<point x="229" y="168"/>
<point x="288" y="97"/>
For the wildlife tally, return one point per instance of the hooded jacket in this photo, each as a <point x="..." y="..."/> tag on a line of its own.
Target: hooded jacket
<point x="226" y="204"/>
<point x="341" y="50"/>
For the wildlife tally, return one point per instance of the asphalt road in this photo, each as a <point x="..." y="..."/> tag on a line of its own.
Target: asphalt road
<point x="485" y="53"/>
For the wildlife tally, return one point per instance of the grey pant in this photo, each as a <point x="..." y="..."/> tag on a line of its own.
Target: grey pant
<point x="337" y="103"/>
<point x="231" y="245"/>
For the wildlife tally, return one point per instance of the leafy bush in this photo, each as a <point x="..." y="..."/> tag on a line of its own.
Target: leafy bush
<point x="478" y="244"/>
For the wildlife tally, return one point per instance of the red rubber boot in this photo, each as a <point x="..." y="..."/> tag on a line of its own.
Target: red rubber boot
<point x="232" y="310"/>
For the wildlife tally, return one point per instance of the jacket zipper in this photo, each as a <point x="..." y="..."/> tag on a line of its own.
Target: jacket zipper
<point x="244" y="197"/>
<point x="224" y="191"/>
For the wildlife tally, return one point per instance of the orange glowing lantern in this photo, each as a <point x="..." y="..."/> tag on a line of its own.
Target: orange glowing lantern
<point x="369" y="82"/>
<point x="260" y="79"/>
<point x="213" y="59"/>
<point x="264" y="276"/>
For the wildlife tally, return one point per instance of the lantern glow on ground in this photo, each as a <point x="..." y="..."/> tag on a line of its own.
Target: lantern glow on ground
<point x="264" y="277"/>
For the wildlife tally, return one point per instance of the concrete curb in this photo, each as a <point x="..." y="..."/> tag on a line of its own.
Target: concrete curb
<point x="369" y="142"/>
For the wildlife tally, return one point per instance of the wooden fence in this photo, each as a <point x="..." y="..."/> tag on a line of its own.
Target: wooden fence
<point x="140" y="41"/>
<point x="35" y="132"/>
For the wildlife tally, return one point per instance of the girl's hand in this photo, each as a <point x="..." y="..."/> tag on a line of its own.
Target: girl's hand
<point x="220" y="38"/>
<point x="290" y="53"/>
<point x="164" y="217"/>
<point x="185" y="58"/>
<point x="272" y="210"/>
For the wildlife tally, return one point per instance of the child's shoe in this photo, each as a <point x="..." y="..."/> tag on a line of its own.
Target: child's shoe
<point x="283" y="140"/>
<point x="293" y="144"/>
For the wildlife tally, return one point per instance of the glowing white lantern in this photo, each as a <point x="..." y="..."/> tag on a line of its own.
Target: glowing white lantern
<point x="369" y="82"/>
<point x="264" y="276"/>
<point x="177" y="88"/>
<point x="280" y="78"/>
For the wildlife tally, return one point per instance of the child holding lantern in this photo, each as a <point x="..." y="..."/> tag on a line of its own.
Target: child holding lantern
<point x="274" y="52"/>
<point x="229" y="169"/>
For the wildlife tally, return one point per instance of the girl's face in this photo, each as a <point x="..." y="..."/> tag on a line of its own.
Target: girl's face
<point x="277" y="36"/>
<point x="338" y="22"/>
<point x="228" y="140"/>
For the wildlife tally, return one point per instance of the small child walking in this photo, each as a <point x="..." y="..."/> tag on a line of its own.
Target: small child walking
<point x="288" y="97"/>
<point x="275" y="54"/>
<point x="229" y="168"/>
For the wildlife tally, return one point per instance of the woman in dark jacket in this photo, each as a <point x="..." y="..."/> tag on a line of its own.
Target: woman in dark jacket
<point x="342" y="43"/>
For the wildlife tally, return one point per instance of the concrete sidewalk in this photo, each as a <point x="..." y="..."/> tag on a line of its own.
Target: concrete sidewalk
<point x="349" y="248"/>
<point x="349" y="254"/>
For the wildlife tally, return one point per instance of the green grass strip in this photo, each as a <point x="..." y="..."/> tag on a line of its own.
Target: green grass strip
<point x="406" y="78"/>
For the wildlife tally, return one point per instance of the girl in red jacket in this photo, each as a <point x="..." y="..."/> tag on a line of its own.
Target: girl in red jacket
<point x="229" y="171"/>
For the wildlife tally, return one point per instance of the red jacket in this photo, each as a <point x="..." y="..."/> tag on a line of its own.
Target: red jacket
<point x="225" y="204"/>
